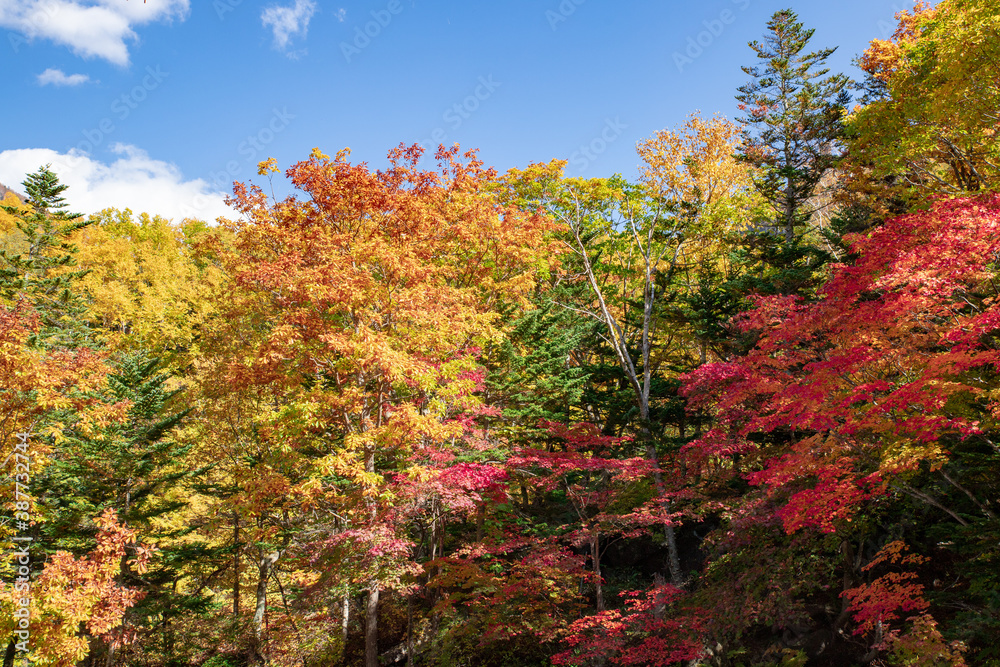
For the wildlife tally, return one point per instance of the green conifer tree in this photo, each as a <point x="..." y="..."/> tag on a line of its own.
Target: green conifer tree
<point x="794" y="113"/>
<point x="131" y="467"/>
<point x="36" y="273"/>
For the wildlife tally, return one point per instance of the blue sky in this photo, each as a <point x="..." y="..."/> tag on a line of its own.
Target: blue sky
<point x="160" y="105"/>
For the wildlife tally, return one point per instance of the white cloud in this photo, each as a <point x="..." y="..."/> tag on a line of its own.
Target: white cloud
<point x="341" y="14"/>
<point x="57" y="77"/>
<point x="90" y="28"/>
<point x="134" y="180"/>
<point x="288" y="22"/>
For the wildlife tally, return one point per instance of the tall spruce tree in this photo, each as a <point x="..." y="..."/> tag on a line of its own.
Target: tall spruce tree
<point x="794" y="112"/>
<point x="35" y="274"/>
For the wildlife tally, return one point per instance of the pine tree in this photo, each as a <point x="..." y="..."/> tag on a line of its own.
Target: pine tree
<point x="36" y="274"/>
<point x="794" y="119"/>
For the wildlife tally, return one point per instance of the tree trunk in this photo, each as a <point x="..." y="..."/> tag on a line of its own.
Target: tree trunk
<point x="263" y="572"/>
<point x="409" y="631"/>
<point x="851" y="564"/>
<point x="109" y="659"/>
<point x="595" y="555"/>
<point x="673" y="557"/>
<point x="641" y="386"/>
<point x="371" y="610"/>
<point x="371" y="629"/>
<point x="345" y="617"/>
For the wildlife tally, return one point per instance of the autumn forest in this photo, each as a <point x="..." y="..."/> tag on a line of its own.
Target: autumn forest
<point x="743" y="409"/>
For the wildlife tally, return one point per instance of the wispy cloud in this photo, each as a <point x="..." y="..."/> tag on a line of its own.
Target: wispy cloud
<point x="57" y="77"/>
<point x="341" y="14"/>
<point x="90" y="28"/>
<point x="288" y="22"/>
<point x="133" y="180"/>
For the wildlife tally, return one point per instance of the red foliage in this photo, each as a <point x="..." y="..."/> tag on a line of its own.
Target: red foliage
<point x="861" y="382"/>
<point x="881" y="603"/>
<point x="638" y="634"/>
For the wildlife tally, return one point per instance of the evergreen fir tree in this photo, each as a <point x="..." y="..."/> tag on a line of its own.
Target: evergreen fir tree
<point x="31" y="275"/>
<point x="131" y="466"/>
<point x="44" y="194"/>
<point x="794" y="119"/>
<point x="127" y="466"/>
<point x="539" y="381"/>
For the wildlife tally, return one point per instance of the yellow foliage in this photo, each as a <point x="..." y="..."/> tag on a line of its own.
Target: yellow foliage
<point x="145" y="286"/>
<point x="11" y="238"/>
<point x="930" y="128"/>
<point x="696" y="167"/>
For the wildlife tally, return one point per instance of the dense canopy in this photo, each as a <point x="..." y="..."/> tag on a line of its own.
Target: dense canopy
<point x="744" y="410"/>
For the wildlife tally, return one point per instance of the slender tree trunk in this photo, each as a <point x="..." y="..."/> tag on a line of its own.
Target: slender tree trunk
<point x="789" y="215"/>
<point x="264" y="571"/>
<point x="641" y="386"/>
<point x="595" y="555"/>
<point x="409" y="631"/>
<point x="109" y="659"/>
<point x="789" y="197"/>
<point x="851" y="564"/>
<point x="371" y="629"/>
<point x="673" y="557"/>
<point x="258" y="616"/>
<point x="345" y="617"/>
